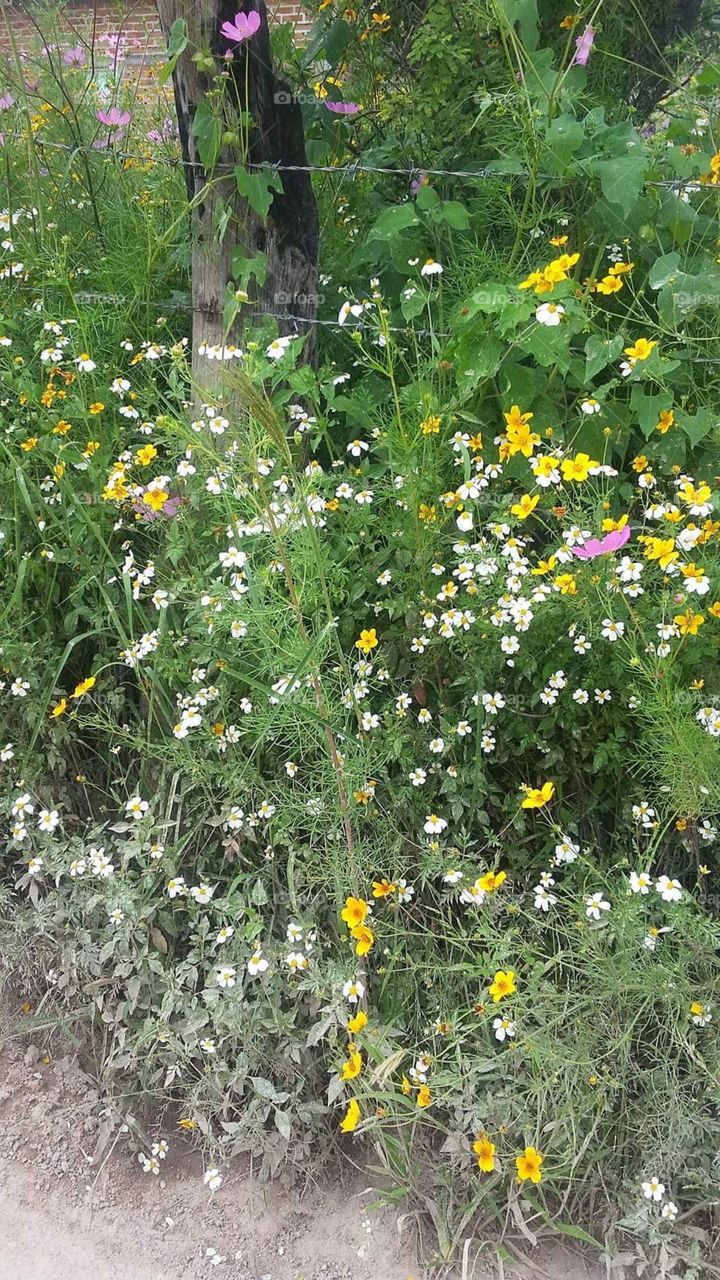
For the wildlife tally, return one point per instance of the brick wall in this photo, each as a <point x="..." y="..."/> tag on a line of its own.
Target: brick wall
<point x="135" y="20"/>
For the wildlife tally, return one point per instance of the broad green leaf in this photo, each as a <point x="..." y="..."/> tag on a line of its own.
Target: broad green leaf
<point x="392" y="221"/>
<point x="244" y="268"/>
<point x="258" y="187"/>
<point x="697" y="426"/>
<point x="648" y="407"/>
<point x="452" y="213"/>
<point x="177" y="44"/>
<point x="207" y="129"/>
<point x="599" y="353"/>
<point x="622" y="178"/>
<point x="476" y="357"/>
<point x="663" y="269"/>
<point x="525" y="13"/>
<point x="563" y="138"/>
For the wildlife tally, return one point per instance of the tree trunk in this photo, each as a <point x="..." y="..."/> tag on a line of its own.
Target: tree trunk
<point x="289" y="235"/>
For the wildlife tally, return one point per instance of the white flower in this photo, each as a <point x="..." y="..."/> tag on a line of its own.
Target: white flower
<point x="136" y="808"/>
<point x="225" y="977"/>
<point x="277" y="348"/>
<point x="48" y="819"/>
<point x="431" y="268"/>
<point x="208" y="1046"/>
<point x="202" y="893"/>
<point x="669" y="1211"/>
<point x="669" y="890"/>
<point x="612" y="630"/>
<point x="84" y="363"/>
<point x="550" y="313"/>
<point x="544" y="900"/>
<point x="353" y="990"/>
<point x="7" y="752"/>
<point x="19" y="687"/>
<point x="595" y="905"/>
<point x="590" y="406"/>
<point x="296" y="961"/>
<point x="212" y="1179"/>
<point x="640" y="882"/>
<point x="434" y="825"/>
<point x="452" y="876"/>
<point x="176" y="887"/>
<point x="257" y="963"/>
<point x="653" y="1189"/>
<point x="504" y="1029"/>
<point x="150" y="1164"/>
<point x="702" y="1014"/>
<point x="116" y="916"/>
<point x="35" y="866"/>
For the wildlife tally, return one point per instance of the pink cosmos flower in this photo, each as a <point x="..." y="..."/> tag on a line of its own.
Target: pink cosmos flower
<point x="6" y="101"/>
<point x="74" y="57"/>
<point x="583" y="45"/>
<point x="602" y="546"/>
<point x="244" y="26"/>
<point x="114" y="118"/>
<point x="343" y="108"/>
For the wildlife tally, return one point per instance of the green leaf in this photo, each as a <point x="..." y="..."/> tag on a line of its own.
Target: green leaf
<point x="621" y="178"/>
<point x="257" y="188"/>
<point x="663" y="269"/>
<point x="563" y="138"/>
<point x="708" y="78"/>
<point x="525" y="13"/>
<point x="452" y="213"/>
<point x="476" y="357"/>
<point x="177" y="44"/>
<point x="648" y="407"/>
<point x="392" y="221"/>
<point x="599" y="353"/>
<point x="207" y="129"/>
<point x="244" y="268"/>
<point x="697" y="426"/>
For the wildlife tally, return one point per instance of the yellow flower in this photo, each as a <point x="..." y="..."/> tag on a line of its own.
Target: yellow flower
<point x="528" y="1165"/>
<point x="665" y="421"/>
<point x="566" y="584"/>
<point x="364" y="939"/>
<point x="609" y="284"/>
<point x="660" y="549"/>
<point x="544" y="566"/>
<point x="503" y="984"/>
<point x="612" y="526"/>
<point x="688" y="622"/>
<point x="354" y="912"/>
<point x="430" y="426"/>
<point x="352" y="1116"/>
<point x="640" y="350"/>
<point x="62" y="427"/>
<point x="353" y="1066"/>
<point x="714" y="609"/>
<point x="424" y="1096"/>
<point x="145" y="455"/>
<point x="577" y="468"/>
<point x="91" y="448"/>
<point x="485" y="1151"/>
<point x="368" y="641"/>
<point x="186" y="1123"/>
<point x="155" y="498"/>
<point x="492" y="880"/>
<point x="358" y="1022"/>
<point x="30" y="443"/>
<point x="520" y="439"/>
<point x="59" y="708"/>
<point x="525" y="506"/>
<point x="426" y="513"/>
<point x="383" y="888"/>
<point x="536" y="797"/>
<point x="84" y="687"/>
<point x="406" y="1086"/>
<point x="97" y="407"/>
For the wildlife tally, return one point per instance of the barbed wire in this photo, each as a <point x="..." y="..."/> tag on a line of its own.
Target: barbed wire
<point x="417" y="171"/>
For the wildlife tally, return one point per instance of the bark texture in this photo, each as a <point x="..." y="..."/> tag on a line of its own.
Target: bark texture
<point x="289" y="235"/>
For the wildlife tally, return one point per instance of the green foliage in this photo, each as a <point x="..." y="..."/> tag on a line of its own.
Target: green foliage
<point x="317" y="639"/>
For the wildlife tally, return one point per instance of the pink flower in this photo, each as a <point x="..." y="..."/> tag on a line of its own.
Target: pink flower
<point x="342" y="108"/>
<point x="244" y="26"/>
<point x="602" y="546"/>
<point x="114" y="118"/>
<point x="6" y="101"/>
<point x="583" y="45"/>
<point x="74" y="57"/>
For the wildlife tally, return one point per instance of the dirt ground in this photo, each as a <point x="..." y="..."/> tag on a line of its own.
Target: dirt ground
<point x="65" y="1215"/>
